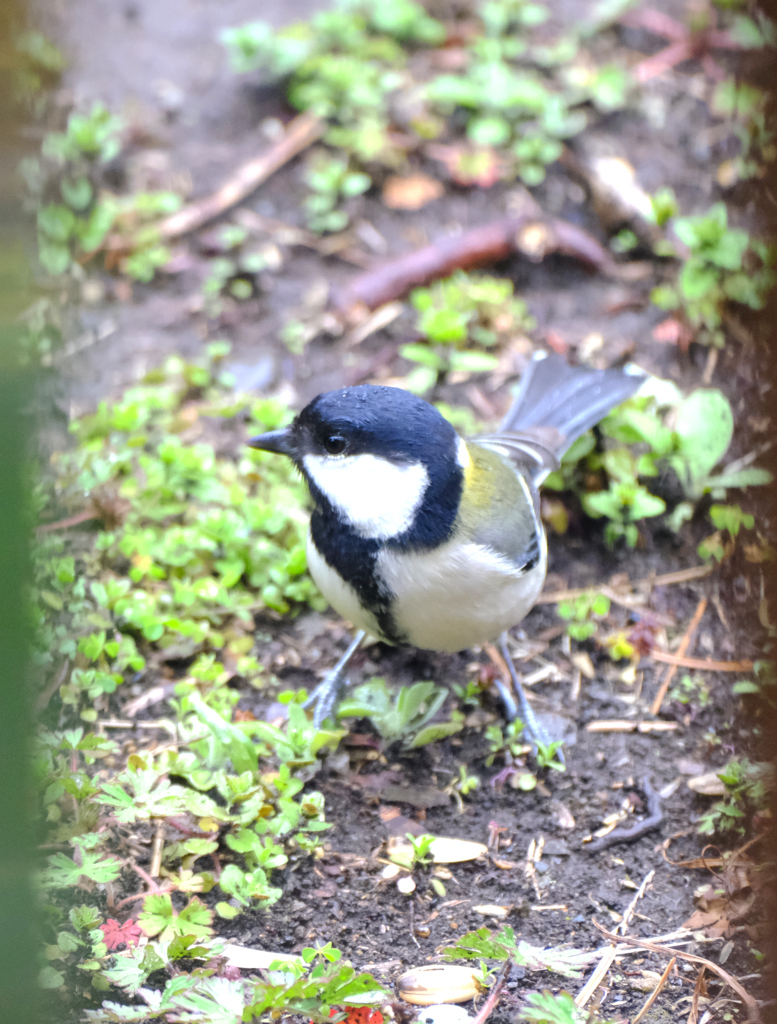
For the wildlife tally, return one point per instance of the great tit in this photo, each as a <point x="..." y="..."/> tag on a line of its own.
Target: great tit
<point x="419" y="537"/>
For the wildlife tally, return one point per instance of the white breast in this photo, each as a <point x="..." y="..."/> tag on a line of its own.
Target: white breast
<point x="458" y="595"/>
<point x="377" y="497"/>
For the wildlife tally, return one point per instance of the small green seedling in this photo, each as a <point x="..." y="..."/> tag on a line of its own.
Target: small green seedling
<point x="331" y="182"/>
<point x="582" y="613"/>
<point x="500" y="946"/>
<point x="749" y="787"/>
<point x="406" y="715"/>
<point x="559" y="1008"/>
<point x="507" y="742"/>
<point x="546" y="755"/>
<point x="723" y="264"/>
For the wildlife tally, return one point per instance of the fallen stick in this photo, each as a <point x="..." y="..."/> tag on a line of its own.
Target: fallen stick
<point x="625" y="725"/>
<point x="693" y="1016"/>
<point x="300" y="133"/>
<point x="655" y="993"/>
<point x="696" y="572"/>
<point x="493" y="995"/>
<point x="702" y="664"/>
<point x="748" y="1000"/>
<point x="611" y="952"/>
<point x="528" y="233"/>
<point x="682" y="651"/>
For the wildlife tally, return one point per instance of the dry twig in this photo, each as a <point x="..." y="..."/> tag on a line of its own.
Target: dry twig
<point x="682" y="651"/>
<point x="655" y="993"/>
<point x="609" y="955"/>
<point x="157" y="848"/>
<point x="626" y="725"/>
<point x="748" y="1000"/>
<point x="701" y="664"/>
<point x="698" y="988"/>
<point x="493" y="996"/>
<point x="300" y="133"/>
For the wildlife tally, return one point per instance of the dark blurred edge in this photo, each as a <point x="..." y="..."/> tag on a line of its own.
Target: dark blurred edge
<point x="767" y="201"/>
<point x="19" y="953"/>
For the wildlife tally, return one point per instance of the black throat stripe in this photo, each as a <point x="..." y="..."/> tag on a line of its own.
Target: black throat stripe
<point x="355" y="558"/>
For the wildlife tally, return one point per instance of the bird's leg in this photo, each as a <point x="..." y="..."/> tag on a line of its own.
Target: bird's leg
<point x="534" y="731"/>
<point x="328" y="692"/>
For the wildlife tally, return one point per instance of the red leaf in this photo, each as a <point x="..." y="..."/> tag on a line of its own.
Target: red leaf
<point x="116" y="934"/>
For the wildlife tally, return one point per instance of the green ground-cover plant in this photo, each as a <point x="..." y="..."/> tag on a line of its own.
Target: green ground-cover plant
<point x="458" y="318"/>
<point x="318" y="984"/>
<point x="257" y="820"/>
<point x="547" y="1008"/>
<point x="194" y="544"/>
<point x="582" y="613"/>
<point x="507" y="743"/>
<point x="657" y="430"/>
<point x="331" y="181"/>
<point x="189" y="545"/>
<point x="361" y="66"/>
<point x="749" y="787"/>
<point x="75" y="212"/>
<point x="744" y="106"/>
<point x="67" y="185"/>
<point x="406" y="714"/>
<point x="720" y="264"/>
<point x="343" y="65"/>
<point x="63" y="181"/>
<point x="484" y="944"/>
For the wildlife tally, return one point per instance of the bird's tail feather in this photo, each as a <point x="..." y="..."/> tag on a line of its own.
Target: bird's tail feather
<point x="558" y="402"/>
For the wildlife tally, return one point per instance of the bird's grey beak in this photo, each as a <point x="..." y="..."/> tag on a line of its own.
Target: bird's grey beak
<point x="279" y="441"/>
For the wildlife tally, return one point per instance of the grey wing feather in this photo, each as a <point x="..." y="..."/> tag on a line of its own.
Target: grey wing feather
<point x="554" y="405"/>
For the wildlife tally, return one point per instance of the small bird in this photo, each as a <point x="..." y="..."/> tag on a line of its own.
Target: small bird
<point x="419" y="537"/>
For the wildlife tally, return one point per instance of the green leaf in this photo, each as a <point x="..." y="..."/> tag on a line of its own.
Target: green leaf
<point x="195" y="919"/>
<point x="54" y="256"/>
<point x="473" y="362"/>
<point x="745" y="686"/>
<point x="704" y="426"/>
<point x="751" y="477"/>
<point x="435" y="732"/>
<point x="49" y="978"/>
<point x="56" y="222"/>
<point x="697" y="279"/>
<point x="489" y="131"/>
<point x="77" y="192"/>
<point x="422" y="354"/>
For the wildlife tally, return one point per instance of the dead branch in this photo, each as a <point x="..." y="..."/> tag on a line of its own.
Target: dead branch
<point x="300" y="133"/>
<point x="527" y="233"/>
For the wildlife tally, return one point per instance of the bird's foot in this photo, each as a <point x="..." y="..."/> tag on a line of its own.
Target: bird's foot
<point x="327" y="694"/>
<point x="534" y="731"/>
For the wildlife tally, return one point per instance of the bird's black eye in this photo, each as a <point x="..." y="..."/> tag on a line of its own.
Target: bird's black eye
<point x="334" y="444"/>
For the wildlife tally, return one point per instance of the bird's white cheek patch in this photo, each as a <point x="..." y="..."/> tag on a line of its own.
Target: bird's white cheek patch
<point x="377" y="497"/>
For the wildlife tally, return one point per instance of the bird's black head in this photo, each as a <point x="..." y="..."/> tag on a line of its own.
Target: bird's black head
<point x="380" y="458"/>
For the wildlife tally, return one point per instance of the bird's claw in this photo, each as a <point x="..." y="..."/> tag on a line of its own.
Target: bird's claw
<point x="326" y="696"/>
<point x="328" y="692"/>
